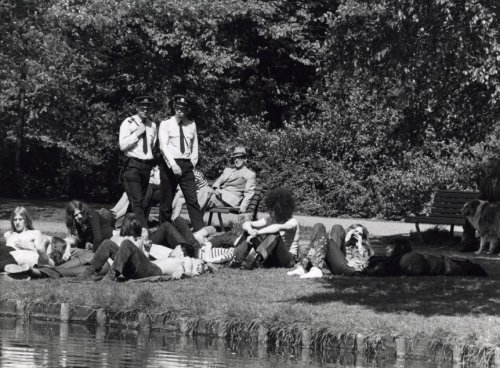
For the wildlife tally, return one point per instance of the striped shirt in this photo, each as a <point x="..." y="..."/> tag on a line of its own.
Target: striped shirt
<point x="200" y="180"/>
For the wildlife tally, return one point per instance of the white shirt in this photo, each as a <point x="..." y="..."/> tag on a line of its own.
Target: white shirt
<point x="130" y="144"/>
<point x="169" y="136"/>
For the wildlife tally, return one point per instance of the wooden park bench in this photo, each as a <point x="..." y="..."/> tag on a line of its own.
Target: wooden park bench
<point x="251" y="213"/>
<point x="446" y="209"/>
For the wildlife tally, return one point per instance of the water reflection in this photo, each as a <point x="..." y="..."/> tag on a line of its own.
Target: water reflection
<point x="73" y="345"/>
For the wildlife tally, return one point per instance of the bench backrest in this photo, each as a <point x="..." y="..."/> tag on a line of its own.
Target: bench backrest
<point x="253" y="207"/>
<point x="449" y="203"/>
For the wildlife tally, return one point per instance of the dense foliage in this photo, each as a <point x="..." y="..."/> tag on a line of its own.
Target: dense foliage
<point x="361" y="107"/>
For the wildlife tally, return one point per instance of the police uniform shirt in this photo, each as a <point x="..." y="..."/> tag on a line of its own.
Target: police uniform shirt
<point x="169" y="137"/>
<point x="131" y="145"/>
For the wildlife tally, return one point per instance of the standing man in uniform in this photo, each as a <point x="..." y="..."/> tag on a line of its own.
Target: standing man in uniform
<point x="138" y="136"/>
<point x="179" y="147"/>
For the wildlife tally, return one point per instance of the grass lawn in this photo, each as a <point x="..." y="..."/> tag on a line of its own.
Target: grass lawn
<point x="463" y="310"/>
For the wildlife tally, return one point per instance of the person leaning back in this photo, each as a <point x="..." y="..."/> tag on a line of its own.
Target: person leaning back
<point x="138" y="135"/>
<point x="179" y="147"/>
<point x="236" y="186"/>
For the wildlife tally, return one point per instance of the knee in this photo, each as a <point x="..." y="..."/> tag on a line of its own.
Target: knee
<point x="318" y="230"/>
<point x="336" y="231"/>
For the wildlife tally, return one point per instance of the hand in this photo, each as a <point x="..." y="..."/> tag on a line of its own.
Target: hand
<point x="66" y="256"/>
<point x="177" y="170"/>
<point x="253" y="232"/>
<point x="88" y="246"/>
<point x="147" y="245"/>
<point x="178" y="274"/>
<point x="140" y="130"/>
<point x="218" y="192"/>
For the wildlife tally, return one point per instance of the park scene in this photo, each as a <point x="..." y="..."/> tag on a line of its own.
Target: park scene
<point x="250" y="183"/>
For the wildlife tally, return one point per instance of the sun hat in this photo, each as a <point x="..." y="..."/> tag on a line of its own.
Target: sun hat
<point x="239" y="151"/>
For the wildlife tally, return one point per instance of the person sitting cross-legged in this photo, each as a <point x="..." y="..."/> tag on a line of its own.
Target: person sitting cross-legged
<point x="275" y="238"/>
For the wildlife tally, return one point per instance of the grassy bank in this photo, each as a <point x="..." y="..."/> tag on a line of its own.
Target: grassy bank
<point x="453" y="310"/>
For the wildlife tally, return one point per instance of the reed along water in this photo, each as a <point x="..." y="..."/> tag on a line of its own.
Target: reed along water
<point x="52" y="344"/>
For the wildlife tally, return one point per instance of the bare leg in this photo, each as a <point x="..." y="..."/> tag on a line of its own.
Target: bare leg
<point x="120" y="208"/>
<point x="177" y="204"/>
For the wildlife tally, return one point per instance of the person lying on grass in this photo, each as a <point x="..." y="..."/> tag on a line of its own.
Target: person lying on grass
<point x="275" y="238"/>
<point x="349" y="253"/>
<point x="25" y="245"/>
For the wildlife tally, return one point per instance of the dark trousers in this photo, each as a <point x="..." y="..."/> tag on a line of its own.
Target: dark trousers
<point x="136" y="180"/>
<point x="172" y="234"/>
<point x="271" y="247"/>
<point x="107" y="249"/>
<point x="151" y="198"/>
<point x="132" y="263"/>
<point x="226" y="240"/>
<point x="168" y="185"/>
<point x="335" y="252"/>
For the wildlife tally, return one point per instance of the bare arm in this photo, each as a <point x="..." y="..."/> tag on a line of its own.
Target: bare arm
<point x="194" y="148"/>
<point x="274" y="228"/>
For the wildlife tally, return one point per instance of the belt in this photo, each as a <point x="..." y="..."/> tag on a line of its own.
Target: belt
<point x="148" y="162"/>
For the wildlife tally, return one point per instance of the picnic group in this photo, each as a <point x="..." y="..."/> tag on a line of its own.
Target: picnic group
<point x="159" y="166"/>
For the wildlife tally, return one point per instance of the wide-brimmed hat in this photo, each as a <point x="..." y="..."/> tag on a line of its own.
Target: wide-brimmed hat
<point x="239" y="151"/>
<point x="145" y="101"/>
<point x="17" y="272"/>
<point x="182" y="100"/>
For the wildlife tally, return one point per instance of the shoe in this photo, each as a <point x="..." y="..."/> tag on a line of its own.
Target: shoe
<point x="299" y="271"/>
<point x="314" y="273"/>
<point x="257" y="262"/>
<point x="234" y="263"/>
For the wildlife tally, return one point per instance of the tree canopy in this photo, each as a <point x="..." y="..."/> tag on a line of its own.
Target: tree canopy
<point x="360" y="107"/>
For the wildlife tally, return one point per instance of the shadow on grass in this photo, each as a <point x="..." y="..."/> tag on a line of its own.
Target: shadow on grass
<point x="449" y="296"/>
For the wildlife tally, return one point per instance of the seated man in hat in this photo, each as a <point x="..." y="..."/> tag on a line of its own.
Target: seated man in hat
<point x="236" y="186"/>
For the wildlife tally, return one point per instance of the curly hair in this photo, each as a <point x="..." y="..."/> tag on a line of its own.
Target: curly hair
<point x="73" y="227"/>
<point x="281" y="202"/>
<point x="23" y="212"/>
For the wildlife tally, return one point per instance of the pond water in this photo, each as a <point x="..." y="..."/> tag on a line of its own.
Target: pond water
<point x="47" y="344"/>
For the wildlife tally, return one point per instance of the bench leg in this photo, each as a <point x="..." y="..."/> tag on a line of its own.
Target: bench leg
<point x="419" y="234"/>
<point x="220" y="222"/>
<point x="451" y="230"/>
<point x="210" y="214"/>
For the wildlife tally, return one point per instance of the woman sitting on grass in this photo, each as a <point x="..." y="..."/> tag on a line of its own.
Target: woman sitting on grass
<point x="87" y="227"/>
<point x="25" y="245"/>
<point x="275" y="238"/>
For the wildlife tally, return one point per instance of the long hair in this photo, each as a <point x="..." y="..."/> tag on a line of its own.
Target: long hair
<point x="23" y="212"/>
<point x="282" y="203"/>
<point x="73" y="227"/>
<point x="58" y="248"/>
<point x="131" y="226"/>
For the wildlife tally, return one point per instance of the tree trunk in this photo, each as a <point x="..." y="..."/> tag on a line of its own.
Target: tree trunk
<point x="20" y="121"/>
